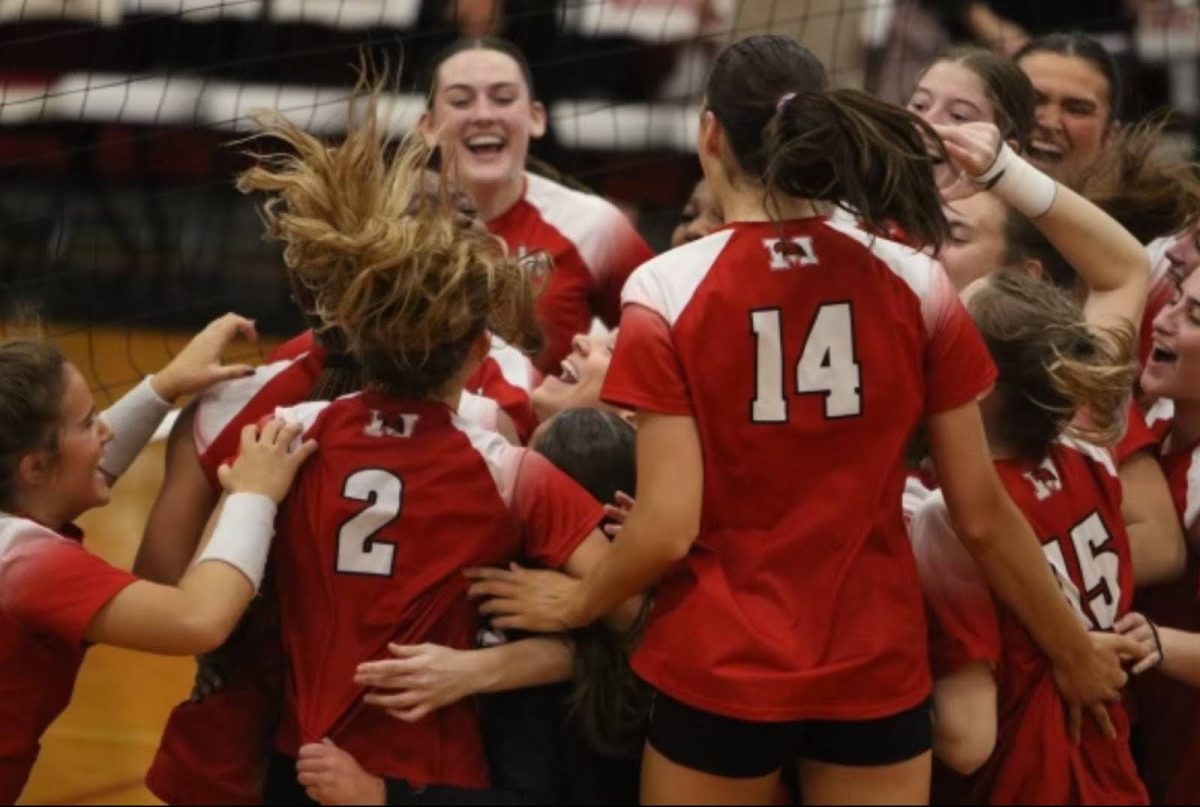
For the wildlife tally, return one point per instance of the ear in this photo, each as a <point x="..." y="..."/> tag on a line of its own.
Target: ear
<point x="429" y="132"/>
<point x="1034" y="268"/>
<point x="34" y="469"/>
<point x="537" y="115"/>
<point x="709" y="143"/>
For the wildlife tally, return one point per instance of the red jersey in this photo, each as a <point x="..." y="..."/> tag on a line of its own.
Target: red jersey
<point x="505" y="376"/>
<point x="807" y="353"/>
<point x="1167" y="713"/>
<point x="51" y="589"/>
<point x="594" y="248"/>
<point x="372" y="541"/>
<point x="1072" y="499"/>
<point x="223" y="411"/>
<point x="214" y="751"/>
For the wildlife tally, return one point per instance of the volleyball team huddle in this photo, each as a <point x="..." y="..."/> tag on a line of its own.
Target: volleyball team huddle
<point x="854" y="507"/>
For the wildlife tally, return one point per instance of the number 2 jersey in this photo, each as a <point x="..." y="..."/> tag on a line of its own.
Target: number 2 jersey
<point x="1072" y="500"/>
<point x="369" y="549"/>
<point x="807" y="352"/>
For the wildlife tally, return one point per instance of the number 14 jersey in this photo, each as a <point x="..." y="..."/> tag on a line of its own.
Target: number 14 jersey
<point x="807" y="353"/>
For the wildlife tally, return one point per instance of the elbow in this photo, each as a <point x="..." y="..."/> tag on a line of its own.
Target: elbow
<point x="966" y="753"/>
<point x="200" y="633"/>
<point x="682" y="536"/>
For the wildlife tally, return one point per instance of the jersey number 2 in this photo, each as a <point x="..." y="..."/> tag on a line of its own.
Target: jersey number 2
<point x="358" y="550"/>
<point x="827" y="365"/>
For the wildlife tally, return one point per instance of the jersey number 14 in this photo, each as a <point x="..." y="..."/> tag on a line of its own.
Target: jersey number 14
<point x="827" y="365"/>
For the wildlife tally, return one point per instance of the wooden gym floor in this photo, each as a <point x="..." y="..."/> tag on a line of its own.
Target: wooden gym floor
<point x="98" y="751"/>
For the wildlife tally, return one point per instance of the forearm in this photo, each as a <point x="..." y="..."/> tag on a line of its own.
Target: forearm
<point x="133" y="420"/>
<point x="1181" y="655"/>
<point x="1105" y="254"/>
<point x="1155" y="535"/>
<point x="1158" y="557"/>
<point x="532" y="662"/>
<point x="639" y="557"/>
<point x="1011" y="558"/>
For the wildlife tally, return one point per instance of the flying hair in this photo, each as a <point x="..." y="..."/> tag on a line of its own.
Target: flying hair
<point x="380" y="257"/>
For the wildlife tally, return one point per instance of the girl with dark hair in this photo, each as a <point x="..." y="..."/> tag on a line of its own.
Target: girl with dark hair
<point x="1079" y="93"/>
<point x="779" y="368"/>
<point x="58" y="459"/>
<point x="482" y="114"/>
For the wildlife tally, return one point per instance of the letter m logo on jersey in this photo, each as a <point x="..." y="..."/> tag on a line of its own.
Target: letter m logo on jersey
<point x="790" y="253"/>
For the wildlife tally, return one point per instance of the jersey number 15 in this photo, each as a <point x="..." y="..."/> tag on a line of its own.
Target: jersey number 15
<point x="827" y="365"/>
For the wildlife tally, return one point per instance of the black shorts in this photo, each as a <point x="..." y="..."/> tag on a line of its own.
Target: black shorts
<point x="740" y="749"/>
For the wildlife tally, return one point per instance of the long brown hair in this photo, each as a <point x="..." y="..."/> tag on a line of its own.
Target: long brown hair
<point x="798" y="138"/>
<point x="1149" y="193"/>
<point x="1053" y="366"/>
<point x="384" y="261"/>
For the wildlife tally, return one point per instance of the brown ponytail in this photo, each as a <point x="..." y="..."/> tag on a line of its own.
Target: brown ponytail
<point x="848" y="148"/>
<point x="1056" y="373"/>
<point x="788" y="131"/>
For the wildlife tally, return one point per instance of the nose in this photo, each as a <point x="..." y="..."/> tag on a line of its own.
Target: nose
<point x="1048" y="117"/>
<point x="106" y="433"/>
<point x="1164" y="321"/>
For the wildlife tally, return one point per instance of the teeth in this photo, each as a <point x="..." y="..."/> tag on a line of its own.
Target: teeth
<point x="1048" y="148"/>
<point x="484" y="141"/>
<point x="568" y="372"/>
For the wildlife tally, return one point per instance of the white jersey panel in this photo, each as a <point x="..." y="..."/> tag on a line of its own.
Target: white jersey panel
<point x="667" y="283"/>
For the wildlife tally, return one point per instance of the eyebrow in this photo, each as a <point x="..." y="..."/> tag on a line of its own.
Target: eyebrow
<point x="470" y="88"/>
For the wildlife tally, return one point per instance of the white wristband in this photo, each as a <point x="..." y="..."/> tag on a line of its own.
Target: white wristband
<point x="242" y="537"/>
<point x="1019" y="184"/>
<point x="133" y="420"/>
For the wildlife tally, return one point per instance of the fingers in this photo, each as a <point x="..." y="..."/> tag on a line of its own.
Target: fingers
<point x="1152" y="660"/>
<point x="624" y="500"/>
<point x="270" y="432"/>
<point x="502" y="589"/>
<point x="1100" y="715"/>
<point x="306" y="450"/>
<point x="411" y="715"/>
<point x="249" y="436"/>
<point x="1074" y="722"/>
<point x="1129" y="622"/>
<point x="399" y="700"/>
<point x="1130" y="648"/>
<point x="223" y="475"/>
<point x="233" y="325"/>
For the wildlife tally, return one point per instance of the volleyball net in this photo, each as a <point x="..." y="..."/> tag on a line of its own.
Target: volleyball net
<point x="119" y="225"/>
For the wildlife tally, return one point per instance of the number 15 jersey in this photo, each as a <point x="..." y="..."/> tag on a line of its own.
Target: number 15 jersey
<point x="399" y="499"/>
<point x="807" y="353"/>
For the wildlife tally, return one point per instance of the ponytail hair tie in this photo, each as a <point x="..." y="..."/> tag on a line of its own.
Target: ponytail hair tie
<point x="783" y="101"/>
